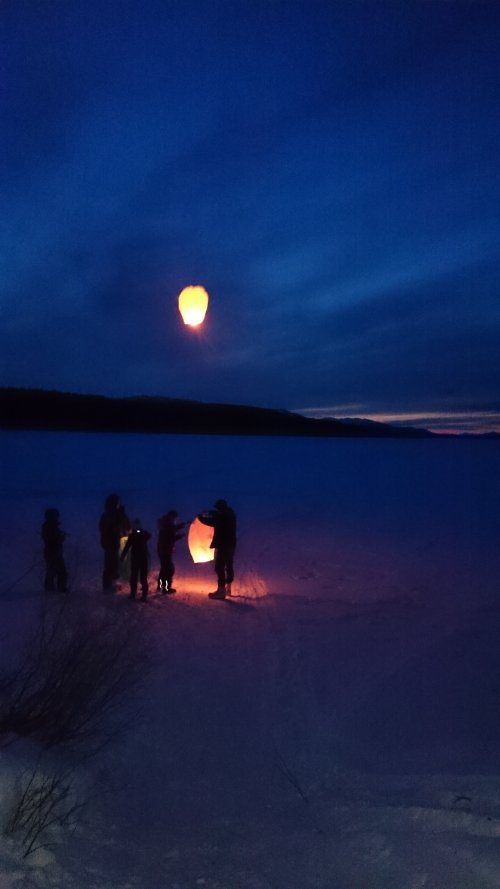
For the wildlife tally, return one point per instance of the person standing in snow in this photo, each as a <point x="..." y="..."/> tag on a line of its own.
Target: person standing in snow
<point x="113" y="525"/>
<point x="223" y="520"/>
<point x="137" y="544"/>
<point x="55" y="567"/>
<point x="125" y="529"/>
<point x="169" y="530"/>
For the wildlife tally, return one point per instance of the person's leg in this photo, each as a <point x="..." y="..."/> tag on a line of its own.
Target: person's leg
<point x="115" y="562"/>
<point x="107" y="571"/>
<point x="162" y="576"/>
<point x="134" y="571"/>
<point x="229" y="565"/>
<point x="49" y="584"/>
<point x="143" y="571"/>
<point x="219" y="567"/>
<point x="170" y="571"/>
<point x="62" y="576"/>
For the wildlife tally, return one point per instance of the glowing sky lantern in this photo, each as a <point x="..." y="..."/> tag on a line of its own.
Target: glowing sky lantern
<point x="193" y="304"/>
<point x="199" y="540"/>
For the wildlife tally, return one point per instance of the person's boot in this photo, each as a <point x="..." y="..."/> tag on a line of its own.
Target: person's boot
<point x="159" y="588"/>
<point x="220" y="593"/>
<point x="228" y="589"/>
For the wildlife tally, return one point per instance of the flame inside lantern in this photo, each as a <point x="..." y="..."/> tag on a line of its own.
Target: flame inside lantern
<point x="193" y="304"/>
<point x="199" y="540"/>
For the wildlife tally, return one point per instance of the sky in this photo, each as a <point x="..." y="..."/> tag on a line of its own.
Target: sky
<point x="329" y="172"/>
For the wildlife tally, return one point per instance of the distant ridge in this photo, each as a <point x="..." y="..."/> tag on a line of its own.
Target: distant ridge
<point x="70" y="412"/>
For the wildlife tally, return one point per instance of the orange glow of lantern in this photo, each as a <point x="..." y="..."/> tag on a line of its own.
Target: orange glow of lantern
<point x="193" y="305"/>
<point x="199" y="540"/>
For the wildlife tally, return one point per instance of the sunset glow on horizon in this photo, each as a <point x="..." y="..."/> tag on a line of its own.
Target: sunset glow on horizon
<point x="445" y="422"/>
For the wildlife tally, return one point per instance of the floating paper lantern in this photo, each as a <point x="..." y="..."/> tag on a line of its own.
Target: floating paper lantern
<point x="193" y="304"/>
<point x="199" y="540"/>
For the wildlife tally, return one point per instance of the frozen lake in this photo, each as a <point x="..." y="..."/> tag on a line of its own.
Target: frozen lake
<point x="336" y="725"/>
<point x="356" y="517"/>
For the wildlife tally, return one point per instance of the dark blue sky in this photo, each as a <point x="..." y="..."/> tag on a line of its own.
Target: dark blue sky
<point x="328" y="171"/>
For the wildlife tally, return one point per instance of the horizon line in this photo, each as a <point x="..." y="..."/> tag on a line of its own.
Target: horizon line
<point x="477" y="422"/>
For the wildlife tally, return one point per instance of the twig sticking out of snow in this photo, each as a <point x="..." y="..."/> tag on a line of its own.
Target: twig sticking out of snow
<point x="43" y="801"/>
<point x="289" y="775"/>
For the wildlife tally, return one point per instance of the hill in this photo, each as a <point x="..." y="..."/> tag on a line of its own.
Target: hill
<point x="51" y="410"/>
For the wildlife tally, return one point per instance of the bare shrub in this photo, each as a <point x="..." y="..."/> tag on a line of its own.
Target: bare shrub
<point x="41" y="803"/>
<point x="71" y="683"/>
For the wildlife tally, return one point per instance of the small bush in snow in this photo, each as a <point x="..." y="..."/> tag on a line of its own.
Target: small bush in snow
<point x="41" y="804"/>
<point x="70" y="686"/>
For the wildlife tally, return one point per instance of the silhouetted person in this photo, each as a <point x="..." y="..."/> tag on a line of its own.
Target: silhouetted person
<point x="113" y="525"/>
<point x="137" y="544"/>
<point x="168" y="532"/>
<point x="125" y="529"/>
<point x="55" y="567"/>
<point x="223" y="521"/>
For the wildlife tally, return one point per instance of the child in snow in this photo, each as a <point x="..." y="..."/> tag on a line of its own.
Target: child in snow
<point x="168" y="532"/>
<point x="55" y="567"/>
<point x="137" y="545"/>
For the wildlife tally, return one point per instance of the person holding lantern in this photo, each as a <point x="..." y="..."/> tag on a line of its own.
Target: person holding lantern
<point x="113" y="525"/>
<point x="169" y="531"/>
<point x="223" y="520"/>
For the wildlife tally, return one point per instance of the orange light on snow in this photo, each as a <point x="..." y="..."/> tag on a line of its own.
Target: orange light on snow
<point x="193" y="305"/>
<point x="199" y="540"/>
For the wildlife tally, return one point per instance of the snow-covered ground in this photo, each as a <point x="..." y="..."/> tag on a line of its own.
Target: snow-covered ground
<point x="336" y="724"/>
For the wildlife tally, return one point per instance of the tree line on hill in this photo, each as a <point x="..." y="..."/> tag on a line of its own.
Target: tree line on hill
<point x="41" y="409"/>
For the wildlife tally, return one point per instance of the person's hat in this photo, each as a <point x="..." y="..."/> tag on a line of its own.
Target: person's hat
<point x="220" y="504"/>
<point x="171" y="514"/>
<point x="52" y="514"/>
